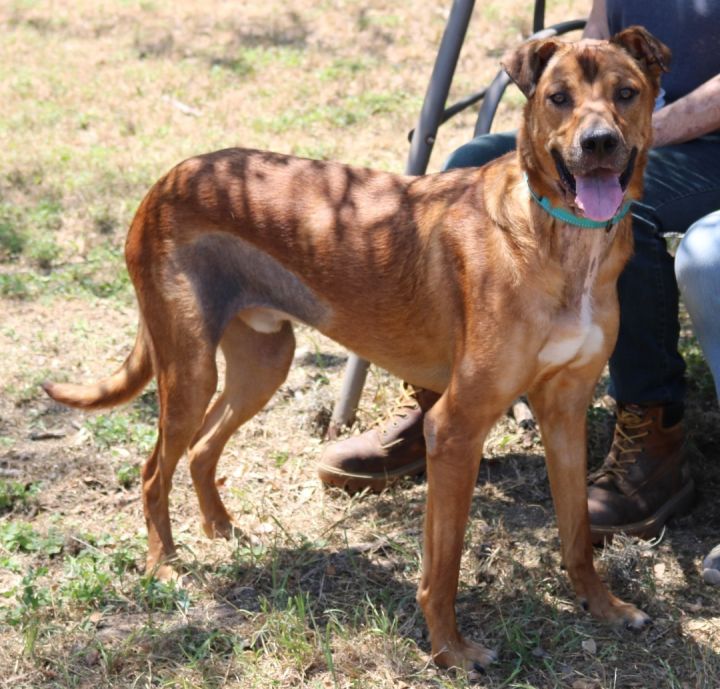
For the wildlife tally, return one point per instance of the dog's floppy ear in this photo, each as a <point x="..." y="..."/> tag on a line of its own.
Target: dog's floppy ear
<point x="652" y="55"/>
<point x="525" y="65"/>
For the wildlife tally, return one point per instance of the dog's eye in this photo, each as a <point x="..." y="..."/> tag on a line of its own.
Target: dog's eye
<point x="559" y="98"/>
<point x="626" y="93"/>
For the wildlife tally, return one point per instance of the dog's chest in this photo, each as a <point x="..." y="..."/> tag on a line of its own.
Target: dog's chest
<point x="573" y="340"/>
<point x="574" y="337"/>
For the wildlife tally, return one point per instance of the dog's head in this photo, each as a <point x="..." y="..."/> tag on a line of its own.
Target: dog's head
<point x="587" y="124"/>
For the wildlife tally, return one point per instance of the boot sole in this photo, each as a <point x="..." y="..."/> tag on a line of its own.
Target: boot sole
<point x="679" y="504"/>
<point x="353" y="483"/>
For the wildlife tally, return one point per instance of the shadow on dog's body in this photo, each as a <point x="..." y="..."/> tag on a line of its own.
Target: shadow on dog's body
<point x="457" y="282"/>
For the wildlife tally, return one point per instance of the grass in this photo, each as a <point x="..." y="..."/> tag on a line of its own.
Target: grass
<point x="350" y="111"/>
<point x="118" y="428"/>
<point x="99" y="275"/>
<point x="17" y="496"/>
<point x="97" y="100"/>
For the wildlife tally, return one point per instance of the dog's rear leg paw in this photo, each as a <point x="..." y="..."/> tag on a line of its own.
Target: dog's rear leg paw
<point x="221" y="528"/>
<point x="163" y="569"/>
<point x="618" y="613"/>
<point x="466" y="655"/>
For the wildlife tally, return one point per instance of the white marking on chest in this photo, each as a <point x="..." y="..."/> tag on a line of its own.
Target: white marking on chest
<point x="581" y="339"/>
<point x="575" y="338"/>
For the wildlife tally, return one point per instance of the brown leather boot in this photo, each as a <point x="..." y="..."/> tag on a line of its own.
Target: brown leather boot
<point x="644" y="479"/>
<point x="381" y="455"/>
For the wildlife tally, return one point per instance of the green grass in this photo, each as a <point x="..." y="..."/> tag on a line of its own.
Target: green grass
<point x="284" y="631"/>
<point x="90" y="582"/>
<point x="17" y="496"/>
<point x="134" y="426"/>
<point x="345" y="68"/>
<point x="119" y="428"/>
<point x="32" y="602"/>
<point x="87" y="582"/>
<point x="17" y="286"/>
<point x="154" y="595"/>
<point x="12" y="240"/>
<point x="351" y="111"/>
<point x="29" y="231"/>
<point x="101" y="275"/>
<point x="98" y="573"/>
<point x="20" y="537"/>
<point x="127" y="475"/>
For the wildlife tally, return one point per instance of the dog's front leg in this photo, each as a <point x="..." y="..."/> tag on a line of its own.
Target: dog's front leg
<point x="560" y="405"/>
<point x="454" y="449"/>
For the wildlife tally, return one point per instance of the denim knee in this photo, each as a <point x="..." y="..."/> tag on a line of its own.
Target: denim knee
<point x="481" y="150"/>
<point x="698" y="255"/>
<point x="697" y="266"/>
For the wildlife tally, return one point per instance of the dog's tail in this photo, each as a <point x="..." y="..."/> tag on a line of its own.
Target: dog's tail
<point x="127" y="382"/>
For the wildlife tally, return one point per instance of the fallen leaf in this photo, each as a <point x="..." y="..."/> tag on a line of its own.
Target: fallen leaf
<point x="589" y="646"/>
<point x="584" y="684"/>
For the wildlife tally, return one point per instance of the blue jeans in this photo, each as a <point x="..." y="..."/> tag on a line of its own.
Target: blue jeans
<point x="682" y="184"/>
<point x="697" y="267"/>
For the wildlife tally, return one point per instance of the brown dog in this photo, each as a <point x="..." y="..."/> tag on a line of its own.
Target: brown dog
<point x="460" y="282"/>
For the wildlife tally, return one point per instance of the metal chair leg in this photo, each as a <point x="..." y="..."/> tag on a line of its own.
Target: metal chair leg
<point x="420" y="149"/>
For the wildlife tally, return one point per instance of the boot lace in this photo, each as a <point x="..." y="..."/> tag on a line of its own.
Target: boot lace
<point x="630" y="428"/>
<point x="404" y="404"/>
<point x="401" y="407"/>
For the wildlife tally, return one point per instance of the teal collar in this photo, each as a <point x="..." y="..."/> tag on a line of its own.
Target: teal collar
<point x="572" y="219"/>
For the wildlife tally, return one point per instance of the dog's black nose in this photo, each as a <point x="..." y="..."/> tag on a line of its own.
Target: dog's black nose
<point x="599" y="141"/>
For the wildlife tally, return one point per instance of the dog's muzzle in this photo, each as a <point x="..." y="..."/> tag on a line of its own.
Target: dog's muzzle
<point x="598" y="193"/>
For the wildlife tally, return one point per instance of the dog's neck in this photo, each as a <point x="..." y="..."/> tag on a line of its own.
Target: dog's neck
<point x="572" y="258"/>
<point x="581" y="255"/>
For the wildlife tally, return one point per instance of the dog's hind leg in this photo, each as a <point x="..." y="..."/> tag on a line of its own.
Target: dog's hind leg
<point x="257" y="364"/>
<point x="187" y="380"/>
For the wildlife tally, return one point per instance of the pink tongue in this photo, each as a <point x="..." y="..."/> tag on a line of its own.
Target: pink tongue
<point x="599" y="196"/>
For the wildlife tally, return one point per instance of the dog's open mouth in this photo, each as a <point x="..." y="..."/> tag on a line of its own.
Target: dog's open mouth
<point x="598" y="194"/>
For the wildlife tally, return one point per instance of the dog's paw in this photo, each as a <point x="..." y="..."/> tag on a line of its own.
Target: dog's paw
<point x="164" y="572"/>
<point x="466" y="655"/>
<point x="222" y="528"/>
<point x="617" y="612"/>
<point x="635" y="619"/>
